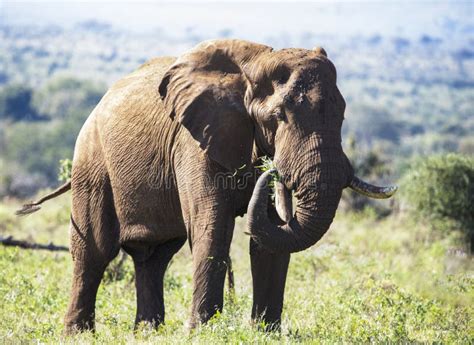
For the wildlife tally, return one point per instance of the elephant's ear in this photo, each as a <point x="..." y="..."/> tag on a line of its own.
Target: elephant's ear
<point x="204" y="90"/>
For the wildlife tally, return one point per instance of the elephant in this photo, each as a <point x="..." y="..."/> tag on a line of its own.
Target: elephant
<point x="170" y="155"/>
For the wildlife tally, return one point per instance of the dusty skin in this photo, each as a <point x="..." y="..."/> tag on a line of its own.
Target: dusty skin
<point x="148" y="157"/>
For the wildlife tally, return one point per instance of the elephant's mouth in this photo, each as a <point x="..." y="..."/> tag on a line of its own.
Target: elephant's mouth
<point x="283" y="198"/>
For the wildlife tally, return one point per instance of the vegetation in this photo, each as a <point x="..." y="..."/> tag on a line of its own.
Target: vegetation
<point x="32" y="149"/>
<point x="441" y="188"/>
<point x="368" y="280"/>
<point x="380" y="275"/>
<point x="407" y="102"/>
<point x="370" y="164"/>
<point x="65" y="167"/>
<point x="15" y="103"/>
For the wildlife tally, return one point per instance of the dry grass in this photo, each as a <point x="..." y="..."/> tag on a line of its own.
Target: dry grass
<point x="368" y="280"/>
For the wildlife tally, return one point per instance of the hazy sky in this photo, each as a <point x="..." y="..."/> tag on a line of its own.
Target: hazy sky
<point x="248" y="19"/>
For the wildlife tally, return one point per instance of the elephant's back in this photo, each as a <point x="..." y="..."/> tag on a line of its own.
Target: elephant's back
<point x="131" y="120"/>
<point x="151" y="70"/>
<point x="133" y="101"/>
<point x="158" y="62"/>
<point x="136" y="138"/>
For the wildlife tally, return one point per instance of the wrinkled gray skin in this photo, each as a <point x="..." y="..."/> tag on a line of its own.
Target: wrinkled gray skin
<point x="147" y="160"/>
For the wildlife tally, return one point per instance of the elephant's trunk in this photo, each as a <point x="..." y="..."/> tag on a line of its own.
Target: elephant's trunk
<point x="318" y="183"/>
<point x="318" y="197"/>
<point x="310" y="222"/>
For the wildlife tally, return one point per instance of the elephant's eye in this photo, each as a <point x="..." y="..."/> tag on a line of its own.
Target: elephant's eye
<point x="279" y="113"/>
<point x="288" y="100"/>
<point x="282" y="75"/>
<point x="282" y="79"/>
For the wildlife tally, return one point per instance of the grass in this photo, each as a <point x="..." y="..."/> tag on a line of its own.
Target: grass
<point x="368" y="280"/>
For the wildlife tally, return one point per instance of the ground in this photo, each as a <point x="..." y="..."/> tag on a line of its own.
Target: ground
<point x="368" y="280"/>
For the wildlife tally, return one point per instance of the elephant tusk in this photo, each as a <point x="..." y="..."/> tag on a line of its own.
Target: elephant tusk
<point x="370" y="190"/>
<point x="283" y="202"/>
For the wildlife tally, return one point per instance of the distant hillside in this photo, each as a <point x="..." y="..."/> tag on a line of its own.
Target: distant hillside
<point x="409" y="90"/>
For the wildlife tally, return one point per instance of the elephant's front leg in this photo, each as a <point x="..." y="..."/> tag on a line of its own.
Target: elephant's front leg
<point x="269" y="276"/>
<point x="269" y="272"/>
<point x="208" y="207"/>
<point x="210" y="244"/>
<point x="209" y="276"/>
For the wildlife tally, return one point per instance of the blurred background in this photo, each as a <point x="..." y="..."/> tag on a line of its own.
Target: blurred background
<point x="406" y="70"/>
<point x="397" y="271"/>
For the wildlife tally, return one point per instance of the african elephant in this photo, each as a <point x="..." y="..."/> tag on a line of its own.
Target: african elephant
<point x="155" y="161"/>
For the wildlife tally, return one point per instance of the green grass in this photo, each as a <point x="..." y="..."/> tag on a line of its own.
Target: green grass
<point x="368" y="280"/>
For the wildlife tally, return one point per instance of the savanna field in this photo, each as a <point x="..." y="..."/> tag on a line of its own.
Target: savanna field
<point x="391" y="271"/>
<point x="369" y="280"/>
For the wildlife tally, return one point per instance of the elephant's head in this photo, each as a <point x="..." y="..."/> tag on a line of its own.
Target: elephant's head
<point x="231" y="94"/>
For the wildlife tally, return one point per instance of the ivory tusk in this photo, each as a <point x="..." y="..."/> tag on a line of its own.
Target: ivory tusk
<point x="370" y="190"/>
<point x="283" y="202"/>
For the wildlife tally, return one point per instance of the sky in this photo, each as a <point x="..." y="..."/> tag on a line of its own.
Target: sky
<point x="247" y="19"/>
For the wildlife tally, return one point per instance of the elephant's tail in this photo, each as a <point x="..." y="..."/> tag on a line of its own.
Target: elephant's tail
<point x="34" y="206"/>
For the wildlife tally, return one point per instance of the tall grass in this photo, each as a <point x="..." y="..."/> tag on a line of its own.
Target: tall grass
<point x="367" y="280"/>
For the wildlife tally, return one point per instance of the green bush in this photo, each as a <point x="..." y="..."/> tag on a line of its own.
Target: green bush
<point x="65" y="167"/>
<point x="16" y="103"/>
<point x="442" y="188"/>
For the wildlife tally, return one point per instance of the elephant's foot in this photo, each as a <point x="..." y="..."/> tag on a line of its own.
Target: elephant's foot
<point x="148" y="323"/>
<point x="85" y="283"/>
<point x="267" y="324"/>
<point x="192" y="324"/>
<point x="75" y="324"/>
<point x="208" y="294"/>
<point x="197" y="320"/>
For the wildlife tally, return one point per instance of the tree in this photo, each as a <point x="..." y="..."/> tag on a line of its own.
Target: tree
<point x="36" y="148"/>
<point x="369" y="124"/>
<point x="16" y="103"/>
<point x="63" y="95"/>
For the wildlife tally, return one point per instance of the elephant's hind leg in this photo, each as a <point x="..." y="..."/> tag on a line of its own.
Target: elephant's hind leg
<point x="94" y="243"/>
<point x="149" y="273"/>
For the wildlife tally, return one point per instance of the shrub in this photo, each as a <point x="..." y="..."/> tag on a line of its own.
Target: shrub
<point x="442" y="188"/>
<point x="15" y="103"/>
<point x="65" y="167"/>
